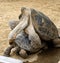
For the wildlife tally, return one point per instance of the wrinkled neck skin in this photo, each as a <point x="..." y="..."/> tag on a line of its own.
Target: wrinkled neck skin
<point x="22" y="25"/>
<point x="33" y="36"/>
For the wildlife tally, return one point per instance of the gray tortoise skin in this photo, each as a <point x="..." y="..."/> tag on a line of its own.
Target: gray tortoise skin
<point x="33" y="32"/>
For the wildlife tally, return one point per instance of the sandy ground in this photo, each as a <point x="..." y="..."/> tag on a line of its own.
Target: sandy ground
<point x="10" y="10"/>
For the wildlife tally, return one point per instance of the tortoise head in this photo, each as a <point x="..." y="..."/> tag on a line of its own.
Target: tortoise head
<point x="25" y="11"/>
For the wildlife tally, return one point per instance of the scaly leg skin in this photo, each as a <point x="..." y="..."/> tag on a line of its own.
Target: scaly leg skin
<point x="22" y="25"/>
<point x="8" y="50"/>
<point x="23" y="53"/>
<point x="57" y="42"/>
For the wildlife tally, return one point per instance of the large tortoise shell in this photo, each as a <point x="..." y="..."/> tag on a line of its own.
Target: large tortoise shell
<point x="45" y="28"/>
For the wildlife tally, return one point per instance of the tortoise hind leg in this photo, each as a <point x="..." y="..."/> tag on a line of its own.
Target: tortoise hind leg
<point x="56" y="42"/>
<point x="8" y="50"/>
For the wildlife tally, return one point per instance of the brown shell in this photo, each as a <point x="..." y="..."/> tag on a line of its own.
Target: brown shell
<point x="45" y="28"/>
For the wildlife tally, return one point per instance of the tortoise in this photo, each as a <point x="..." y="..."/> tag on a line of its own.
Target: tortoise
<point x="33" y="32"/>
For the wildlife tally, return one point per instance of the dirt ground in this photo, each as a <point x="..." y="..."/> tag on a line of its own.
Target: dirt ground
<point x="10" y="10"/>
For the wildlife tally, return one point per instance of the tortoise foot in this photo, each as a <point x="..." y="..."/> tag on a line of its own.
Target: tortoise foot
<point x="8" y="51"/>
<point x="17" y="50"/>
<point x="23" y="53"/>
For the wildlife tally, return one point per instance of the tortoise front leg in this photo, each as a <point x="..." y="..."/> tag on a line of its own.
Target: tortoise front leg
<point x="23" y="53"/>
<point x="17" y="50"/>
<point x="8" y="50"/>
<point x="20" y="52"/>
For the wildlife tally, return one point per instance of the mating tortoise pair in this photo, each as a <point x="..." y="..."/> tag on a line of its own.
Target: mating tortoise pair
<point x="33" y="32"/>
